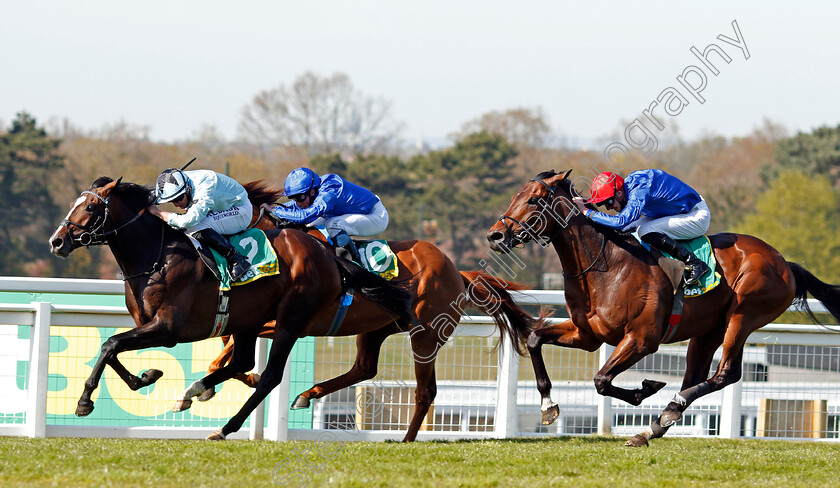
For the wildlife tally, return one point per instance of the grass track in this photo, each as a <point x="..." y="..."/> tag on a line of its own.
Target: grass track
<point x="578" y="462"/>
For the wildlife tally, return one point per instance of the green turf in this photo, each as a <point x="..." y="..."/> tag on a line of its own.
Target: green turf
<point x="577" y="462"/>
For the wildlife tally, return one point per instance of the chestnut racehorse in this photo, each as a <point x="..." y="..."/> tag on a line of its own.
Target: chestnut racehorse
<point x="441" y="293"/>
<point x="172" y="296"/>
<point x="617" y="294"/>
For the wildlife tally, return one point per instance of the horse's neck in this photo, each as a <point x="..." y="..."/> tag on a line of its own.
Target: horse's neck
<point x="140" y="246"/>
<point x="578" y="246"/>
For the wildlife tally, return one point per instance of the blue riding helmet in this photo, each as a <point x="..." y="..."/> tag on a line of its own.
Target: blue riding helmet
<point x="301" y="181"/>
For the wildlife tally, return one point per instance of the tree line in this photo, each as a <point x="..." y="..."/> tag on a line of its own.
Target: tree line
<point x="782" y="189"/>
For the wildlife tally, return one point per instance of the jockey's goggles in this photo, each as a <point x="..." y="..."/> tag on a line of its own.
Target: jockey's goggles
<point x="299" y="197"/>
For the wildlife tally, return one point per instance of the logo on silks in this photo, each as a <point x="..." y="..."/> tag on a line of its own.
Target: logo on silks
<point x="377" y="257"/>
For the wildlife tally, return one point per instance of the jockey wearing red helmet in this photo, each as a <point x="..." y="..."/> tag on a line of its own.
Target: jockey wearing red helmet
<point x="660" y="206"/>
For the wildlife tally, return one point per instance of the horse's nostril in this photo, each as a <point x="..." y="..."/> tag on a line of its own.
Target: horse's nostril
<point x="57" y="242"/>
<point x="495" y="236"/>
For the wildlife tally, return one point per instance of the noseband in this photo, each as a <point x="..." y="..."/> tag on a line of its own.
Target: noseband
<point x="94" y="233"/>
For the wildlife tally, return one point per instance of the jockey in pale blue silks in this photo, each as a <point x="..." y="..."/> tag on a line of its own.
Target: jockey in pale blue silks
<point x="215" y="205"/>
<point x="661" y="207"/>
<point x="344" y="208"/>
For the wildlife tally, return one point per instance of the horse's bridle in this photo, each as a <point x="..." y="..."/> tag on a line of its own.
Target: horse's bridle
<point x="524" y="236"/>
<point x="93" y="233"/>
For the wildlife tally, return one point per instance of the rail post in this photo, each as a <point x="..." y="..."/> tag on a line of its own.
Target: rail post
<point x="39" y="363"/>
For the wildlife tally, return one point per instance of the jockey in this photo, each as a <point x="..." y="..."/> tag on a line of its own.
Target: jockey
<point x="659" y="205"/>
<point x="344" y="208"/>
<point x="215" y="204"/>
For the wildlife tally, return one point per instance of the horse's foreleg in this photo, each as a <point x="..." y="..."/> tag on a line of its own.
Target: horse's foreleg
<point x="242" y="359"/>
<point x="368" y="345"/>
<point x="627" y="353"/>
<point x="701" y="352"/>
<point x="281" y="347"/>
<point x="148" y="335"/>
<point x="133" y="381"/>
<point x="563" y="334"/>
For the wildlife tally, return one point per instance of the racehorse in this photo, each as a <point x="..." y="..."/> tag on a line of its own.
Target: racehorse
<point x="172" y="296"/>
<point x="617" y="294"/>
<point x="440" y="294"/>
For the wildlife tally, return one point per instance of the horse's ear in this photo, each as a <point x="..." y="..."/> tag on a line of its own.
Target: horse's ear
<point x="120" y="178"/>
<point x="110" y="186"/>
<point x="566" y="174"/>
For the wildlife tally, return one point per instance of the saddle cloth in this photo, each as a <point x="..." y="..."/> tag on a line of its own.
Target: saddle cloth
<point x="702" y="248"/>
<point x="376" y="255"/>
<point x="251" y="243"/>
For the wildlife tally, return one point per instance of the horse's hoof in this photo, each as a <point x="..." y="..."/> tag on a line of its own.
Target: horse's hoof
<point x="300" y="402"/>
<point x="216" y="436"/>
<point x="151" y="375"/>
<point x="84" y="409"/>
<point x="181" y="405"/>
<point x="652" y="386"/>
<point x="669" y="418"/>
<point x="208" y="394"/>
<point x="637" y="440"/>
<point x="550" y="414"/>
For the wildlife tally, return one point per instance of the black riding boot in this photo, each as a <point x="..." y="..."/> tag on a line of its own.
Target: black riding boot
<point x="345" y="247"/>
<point x="237" y="264"/>
<point x="694" y="267"/>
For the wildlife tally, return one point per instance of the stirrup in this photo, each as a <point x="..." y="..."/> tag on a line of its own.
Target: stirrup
<point x="699" y="269"/>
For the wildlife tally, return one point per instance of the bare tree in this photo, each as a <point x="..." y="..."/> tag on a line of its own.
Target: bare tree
<point x="526" y="128"/>
<point x="323" y="115"/>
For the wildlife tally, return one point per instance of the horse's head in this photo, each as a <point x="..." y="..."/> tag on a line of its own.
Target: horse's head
<point x="92" y="218"/>
<point x="537" y="211"/>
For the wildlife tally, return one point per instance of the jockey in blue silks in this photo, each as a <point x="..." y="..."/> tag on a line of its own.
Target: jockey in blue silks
<point x="215" y="204"/>
<point x="660" y="206"/>
<point x="344" y="208"/>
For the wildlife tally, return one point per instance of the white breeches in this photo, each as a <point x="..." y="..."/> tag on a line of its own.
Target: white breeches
<point x="682" y="226"/>
<point x="226" y="222"/>
<point x="357" y="225"/>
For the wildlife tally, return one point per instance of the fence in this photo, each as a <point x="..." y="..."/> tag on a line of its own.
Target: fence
<point x="53" y="330"/>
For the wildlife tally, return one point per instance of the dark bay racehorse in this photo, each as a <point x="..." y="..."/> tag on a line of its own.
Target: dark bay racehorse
<point x="173" y="296"/>
<point x="440" y="295"/>
<point x="617" y="294"/>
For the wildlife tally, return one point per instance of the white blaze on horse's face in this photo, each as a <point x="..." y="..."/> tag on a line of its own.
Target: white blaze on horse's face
<point x="79" y="201"/>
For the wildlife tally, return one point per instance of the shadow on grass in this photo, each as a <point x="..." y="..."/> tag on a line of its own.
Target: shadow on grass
<point x="530" y="440"/>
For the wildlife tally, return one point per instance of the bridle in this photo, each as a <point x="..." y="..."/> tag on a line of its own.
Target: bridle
<point x="524" y="236"/>
<point x="94" y="233"/>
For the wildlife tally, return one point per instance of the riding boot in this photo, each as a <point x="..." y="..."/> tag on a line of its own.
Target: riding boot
<point x="237" y="264"/>
<point x="345" y="247"/>
<point x="694" y="267"/>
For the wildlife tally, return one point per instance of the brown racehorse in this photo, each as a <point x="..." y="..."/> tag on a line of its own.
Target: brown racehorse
<point x="616" y="294"/>
<point x="173" y="296"/>
<point x="441" y="293"/>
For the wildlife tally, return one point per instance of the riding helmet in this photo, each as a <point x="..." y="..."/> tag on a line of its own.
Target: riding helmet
<point x="301" y="181"/>
<point x="171" y="185"/>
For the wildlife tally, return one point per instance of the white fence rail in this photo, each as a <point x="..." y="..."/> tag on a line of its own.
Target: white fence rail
<point x="790" y="388"/>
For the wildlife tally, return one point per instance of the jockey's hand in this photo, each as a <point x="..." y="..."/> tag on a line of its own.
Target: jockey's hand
<point x="279" y="222"/>
<point x="580" y="204"/>
<point x="157" y="212"/>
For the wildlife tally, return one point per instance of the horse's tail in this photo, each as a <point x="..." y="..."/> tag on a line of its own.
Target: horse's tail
<point x="395" y="296"/>
<point x="828" y="295"/>
<point x="490" y="295"/>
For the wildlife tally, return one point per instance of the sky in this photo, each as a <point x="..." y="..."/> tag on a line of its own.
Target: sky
<point x="180" y="66"/>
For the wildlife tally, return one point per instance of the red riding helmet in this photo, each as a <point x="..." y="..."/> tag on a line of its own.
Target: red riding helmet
<point x="604" y="187"/>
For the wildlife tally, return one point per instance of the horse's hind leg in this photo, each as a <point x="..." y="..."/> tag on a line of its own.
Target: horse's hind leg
<point x="701" y="352"/>
<point x="425" y="346"/>
<point x="562" y="334"/>
<point x="368" y="345"/>
<point x="133" y="381"/>
<point x="242" y="360"/>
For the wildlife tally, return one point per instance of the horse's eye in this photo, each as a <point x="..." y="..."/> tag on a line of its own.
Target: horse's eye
<point x="533" y="201"/>
<point x="90" y="208"/>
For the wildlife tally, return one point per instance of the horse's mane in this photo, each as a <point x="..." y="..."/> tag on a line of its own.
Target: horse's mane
<point x="259" y="192"/>
<point x="135" y="196"/>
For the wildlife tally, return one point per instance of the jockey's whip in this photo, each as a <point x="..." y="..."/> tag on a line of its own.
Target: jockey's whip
<point x="191" y="162"/>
